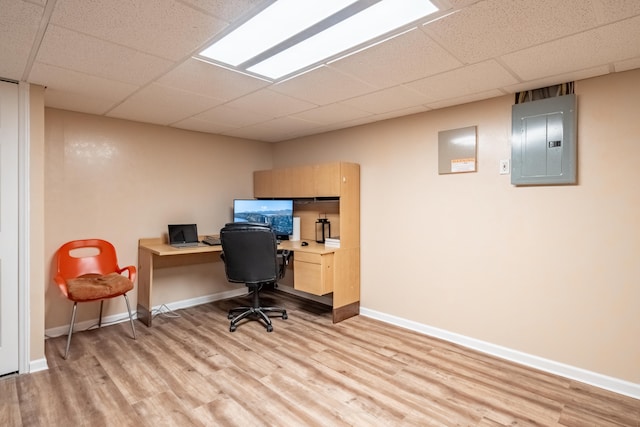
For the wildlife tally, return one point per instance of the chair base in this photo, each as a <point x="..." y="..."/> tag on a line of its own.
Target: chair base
<point x="254" y="312"/>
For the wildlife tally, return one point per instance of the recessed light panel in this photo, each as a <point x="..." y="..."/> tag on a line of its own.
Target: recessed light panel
<point x="290" y="36"/>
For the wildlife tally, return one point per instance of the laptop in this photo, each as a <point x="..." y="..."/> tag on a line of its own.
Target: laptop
<point x="183" y="235"/>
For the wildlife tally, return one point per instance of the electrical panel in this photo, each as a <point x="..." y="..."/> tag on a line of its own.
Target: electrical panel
<point x="543" y="143"/>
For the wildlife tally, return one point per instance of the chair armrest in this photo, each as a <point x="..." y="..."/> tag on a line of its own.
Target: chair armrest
<point x="131" y="272"/>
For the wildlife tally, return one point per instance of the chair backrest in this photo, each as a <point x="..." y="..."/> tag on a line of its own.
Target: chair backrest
<point x="89" y="256"/>
<point x="250" y="252"/>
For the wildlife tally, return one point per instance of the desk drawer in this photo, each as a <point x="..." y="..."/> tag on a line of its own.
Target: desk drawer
<point x="313" y="273"/>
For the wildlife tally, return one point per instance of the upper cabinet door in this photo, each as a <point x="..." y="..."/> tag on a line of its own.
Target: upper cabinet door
<point x="327" y="180"/>
<point x="262" y="184"/>
<point x="302" y="182"/>
<point x="298" y="182"/>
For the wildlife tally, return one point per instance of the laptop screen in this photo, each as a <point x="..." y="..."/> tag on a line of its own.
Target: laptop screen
<point x="183" y="233"/>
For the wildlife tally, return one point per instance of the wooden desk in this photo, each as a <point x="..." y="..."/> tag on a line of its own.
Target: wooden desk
<point x="313" y="268"/>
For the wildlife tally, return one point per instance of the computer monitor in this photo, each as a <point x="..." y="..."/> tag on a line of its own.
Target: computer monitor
<point x="277" y="213"/>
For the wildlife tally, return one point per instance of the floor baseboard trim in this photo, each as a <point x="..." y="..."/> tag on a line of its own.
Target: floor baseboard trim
<point x="571" y="372"/>
<point x="124" y="316"/>
<point x="38" y="365"/>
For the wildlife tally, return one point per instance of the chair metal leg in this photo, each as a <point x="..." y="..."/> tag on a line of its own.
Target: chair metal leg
<point x="73" y="320"/>
<point x="100" y="317"/>
<point x="133" y="329"/>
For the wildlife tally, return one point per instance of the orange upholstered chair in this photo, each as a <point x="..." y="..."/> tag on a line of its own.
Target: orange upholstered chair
<point x="87" y="270"/>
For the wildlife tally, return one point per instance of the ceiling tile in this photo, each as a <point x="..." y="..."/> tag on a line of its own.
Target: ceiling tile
<point x="74" y="101"/>
<point x="166" y="28"/>
<point x="97" y="57"/>
<point x="464" y="81"/>
<point x="225" y="9"/>
<point x="613" y="10"/>
<point x="272" y="103"/>
<point x="207" y="79"/>
<point x="465" y="99"/>
<point x="202" y="126"/>
<point x="331" y="113"/>
<point x="606" y="44"/>
<point x="494" y="27"/>
<point x="225" y="114"/>
<point x="259" y="132"/>
<point x="400" y="113"/>
<point x="410" y="56"/>
<point x="322" y="86"/>
<point x="387" y="100"/>
<point x="562" y="78"/>
<point x="93" y="94"/>
<point x="162" y="105"/>
<point x="16" y="40"/>
<point x="133" y="59"/>
<point x="627" y="65"/>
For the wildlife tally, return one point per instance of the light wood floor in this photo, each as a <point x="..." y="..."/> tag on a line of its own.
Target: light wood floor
<point x="191" y="370"/>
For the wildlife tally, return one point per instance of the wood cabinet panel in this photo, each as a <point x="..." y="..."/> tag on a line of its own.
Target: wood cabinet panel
<point x="327" y="180"/>
<point x="262" y="184"/>
<point x="302" y="182"/>
<point x="313" y="273"/>
<point x="282" y="186"/>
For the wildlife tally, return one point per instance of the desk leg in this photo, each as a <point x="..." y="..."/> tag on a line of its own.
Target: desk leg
<point x="145" y="283"/>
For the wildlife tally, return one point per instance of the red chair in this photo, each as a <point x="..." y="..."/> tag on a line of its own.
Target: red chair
<point x="87" y="270"/>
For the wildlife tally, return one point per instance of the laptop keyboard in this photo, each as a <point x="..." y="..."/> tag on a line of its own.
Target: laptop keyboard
<point x="211" y="241"/>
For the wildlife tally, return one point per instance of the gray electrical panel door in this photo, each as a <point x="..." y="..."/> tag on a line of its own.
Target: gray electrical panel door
<point x="543" y="145"/>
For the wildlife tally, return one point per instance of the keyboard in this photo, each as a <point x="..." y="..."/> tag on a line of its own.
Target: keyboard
<point x="211" y="241"/>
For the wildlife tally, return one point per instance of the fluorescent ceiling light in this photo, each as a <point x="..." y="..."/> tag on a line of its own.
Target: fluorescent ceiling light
<point x="292" y="35"/>
<point x="275" y="24"/>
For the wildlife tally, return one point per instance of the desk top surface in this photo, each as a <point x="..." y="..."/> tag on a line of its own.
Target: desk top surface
<point x="159" y="246"/>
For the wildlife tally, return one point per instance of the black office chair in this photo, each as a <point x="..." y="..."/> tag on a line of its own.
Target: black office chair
<point x="250" y="255"/>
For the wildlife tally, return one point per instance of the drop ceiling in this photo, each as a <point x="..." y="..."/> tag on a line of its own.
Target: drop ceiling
<point x="133" y="59"/>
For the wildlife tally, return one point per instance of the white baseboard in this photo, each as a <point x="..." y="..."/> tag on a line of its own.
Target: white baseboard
<point x="602" y="381"/>
<point x="124" y="316"/>
<point x="38" y="365"/>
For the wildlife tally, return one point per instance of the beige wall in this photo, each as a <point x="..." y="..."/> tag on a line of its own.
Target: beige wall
<point x="551" y="271"/>
<point x="121" y="181"/>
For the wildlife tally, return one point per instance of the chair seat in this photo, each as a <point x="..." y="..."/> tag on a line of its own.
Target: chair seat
<point x="91" y="287"/>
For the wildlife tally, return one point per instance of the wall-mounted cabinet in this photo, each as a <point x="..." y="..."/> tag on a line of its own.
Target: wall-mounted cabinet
<point x="299" y="182"/>
<point x="338" y="271"/>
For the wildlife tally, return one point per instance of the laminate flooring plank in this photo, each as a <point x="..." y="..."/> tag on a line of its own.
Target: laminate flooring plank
<point x="258" y="399"/>
<point x="136" y="374"/>
<point x="241" y="354"/>
<point x="81" y="394"/>
<point x="488" y="399"/>
<point x="9" y="403"/>
<point x="189" y="370"/>
<point x="603" y="404"/>
<point x="295" y="389"/>
<point x="391" y="394"/>
<point x="579" y="417"/>
<point x="165" y="409"/>
<point x="226" y="412"/>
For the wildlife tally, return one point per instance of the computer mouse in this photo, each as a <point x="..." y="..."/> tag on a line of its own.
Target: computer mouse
<point x="305" y="243"/>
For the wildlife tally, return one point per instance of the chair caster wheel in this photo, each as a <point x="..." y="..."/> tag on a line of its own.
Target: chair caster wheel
<point x="232" y="328"/>
<point x="269" y="328"/>
<point x="285" y="316"/>
<point x="229" y="316"/>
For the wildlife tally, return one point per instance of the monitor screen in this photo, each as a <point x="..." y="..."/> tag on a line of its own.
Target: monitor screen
<point x="277" y="213"/>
